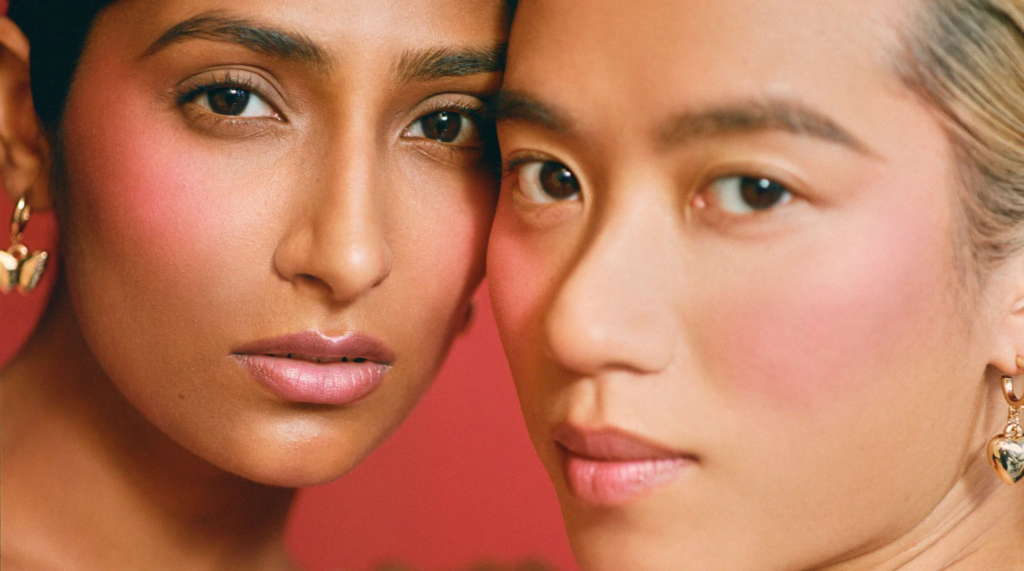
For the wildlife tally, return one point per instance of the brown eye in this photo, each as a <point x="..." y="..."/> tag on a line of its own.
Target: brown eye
<point x="558" y="181"/>
<point x="448" y="127"/>
<point x="746" y="194"/>
<point x="761" y="193"/>
<point x="234" y="102"/>
<point x="443" y="126"/>
<point x="547" y="181"/>
<point x="228" y="101"/>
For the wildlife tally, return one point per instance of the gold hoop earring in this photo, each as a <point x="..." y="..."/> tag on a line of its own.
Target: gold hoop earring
<point x="18" y="268"/>
<point x="1006" y="451"/>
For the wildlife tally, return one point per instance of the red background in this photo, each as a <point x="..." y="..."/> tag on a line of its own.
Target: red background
<point x="458" y="484"/>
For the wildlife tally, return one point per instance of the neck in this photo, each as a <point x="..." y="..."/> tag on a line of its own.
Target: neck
<point x="89" y="483"/>
<point x="978" y="525"/>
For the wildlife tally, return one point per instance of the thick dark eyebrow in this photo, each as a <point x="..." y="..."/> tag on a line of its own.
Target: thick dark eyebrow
<point x="217" y="27"/>
<point x="512" y="105"/>
<point x="438" y="63"/>
<point x="782" y="115"/>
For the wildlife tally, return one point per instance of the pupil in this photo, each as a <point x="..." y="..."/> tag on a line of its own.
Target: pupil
<point x="761" y="193"/>
<point x="443" y="126"/>
<point x="228" y="100"/>
<point x="558" y="181"/>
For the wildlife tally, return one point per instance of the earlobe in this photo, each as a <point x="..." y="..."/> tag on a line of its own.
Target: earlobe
<point x="1007" y="356"/>
<point x="24" y="148"/>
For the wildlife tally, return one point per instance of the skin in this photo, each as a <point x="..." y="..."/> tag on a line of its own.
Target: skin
<point x="825" y="363"/>
<point x="187" y="234"/>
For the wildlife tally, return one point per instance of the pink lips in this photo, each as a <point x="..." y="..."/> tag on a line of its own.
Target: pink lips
<point x="610" y="468"/>
<point x="311" y="367"/>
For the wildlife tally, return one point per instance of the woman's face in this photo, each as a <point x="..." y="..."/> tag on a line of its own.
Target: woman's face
<point x="724" y="267"/>
<point x="277" y="215"/>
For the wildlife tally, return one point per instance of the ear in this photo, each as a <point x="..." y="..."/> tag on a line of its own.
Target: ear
<point x="1008" y="347"/>
<point x="24" y="148"/>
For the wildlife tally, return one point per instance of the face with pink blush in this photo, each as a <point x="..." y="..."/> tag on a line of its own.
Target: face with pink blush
<point x="270" y="246"/>
<point x="724" y="268"/>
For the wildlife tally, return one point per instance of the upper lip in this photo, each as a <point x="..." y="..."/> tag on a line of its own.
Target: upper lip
<point x="610" y="444"/>
<point x="318" y="347"/>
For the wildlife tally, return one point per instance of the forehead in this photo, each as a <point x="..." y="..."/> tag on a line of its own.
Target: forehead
<point x="343" y="26"/>
<point x="659" y="56"/>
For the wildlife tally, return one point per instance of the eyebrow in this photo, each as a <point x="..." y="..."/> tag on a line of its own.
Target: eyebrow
<point x="752" y="116"/>
<point x="217" y="27"/>
<point x="512" y="105"/>
<point x="438" y="63"/>
<point x="774" y="114"/>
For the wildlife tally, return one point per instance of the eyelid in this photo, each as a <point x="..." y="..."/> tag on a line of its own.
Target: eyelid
<point x="518" y="159"/>
<point x="477" y="110"/>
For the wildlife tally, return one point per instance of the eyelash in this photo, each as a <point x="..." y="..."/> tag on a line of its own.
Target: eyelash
<point x="474" y="112"/>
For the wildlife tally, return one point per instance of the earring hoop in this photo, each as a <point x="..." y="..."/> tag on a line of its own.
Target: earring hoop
<point x="1011" y="398"/>
<point x="18" y="268"/>
<point x="1006" y="450"/>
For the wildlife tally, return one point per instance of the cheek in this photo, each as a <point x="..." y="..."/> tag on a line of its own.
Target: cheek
<point x="438" y="221"/>
<point x="521" y="267"/>
<point x="843" y="314"/>
<point x="152" y="203"/>
<point x="135" y="195"/>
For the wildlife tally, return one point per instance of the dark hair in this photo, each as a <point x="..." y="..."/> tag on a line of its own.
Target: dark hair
<point x="56" y="32"/>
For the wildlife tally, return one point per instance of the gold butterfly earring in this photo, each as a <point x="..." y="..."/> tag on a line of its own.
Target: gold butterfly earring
<point x="18" y="268"/>
<point x="1006" y="450"/>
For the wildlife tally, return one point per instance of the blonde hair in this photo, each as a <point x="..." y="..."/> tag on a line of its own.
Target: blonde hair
<point x="966" y="58"/>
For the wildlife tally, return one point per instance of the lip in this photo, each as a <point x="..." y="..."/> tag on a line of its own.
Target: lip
<point x="311" y="367"/>
<point x="609" y="467"/>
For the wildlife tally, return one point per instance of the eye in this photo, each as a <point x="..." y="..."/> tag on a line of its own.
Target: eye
<point x="448" y="127"/>
<point x="234" y="102"/>
<point x="546" y="181"/>
<point x="747" y="195"/>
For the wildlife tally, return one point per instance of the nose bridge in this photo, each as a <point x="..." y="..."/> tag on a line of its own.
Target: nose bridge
<point x="341" y="240"/>
<point x="612" y="310"/>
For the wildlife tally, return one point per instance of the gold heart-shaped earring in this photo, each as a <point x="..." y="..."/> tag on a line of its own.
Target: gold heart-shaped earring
<point x="1006" y="451"/>
<point x="18" y="268"/>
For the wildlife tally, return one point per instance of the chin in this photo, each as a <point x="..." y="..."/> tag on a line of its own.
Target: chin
<point x="640" y="554"/>
<point x="294" y="470"/>
<point x="633" y="539"/>
<point x="296" y="458"/>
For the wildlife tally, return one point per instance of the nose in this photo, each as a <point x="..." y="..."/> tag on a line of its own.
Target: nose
<point x="339" y="243"/>
<point x="613" y="307"/>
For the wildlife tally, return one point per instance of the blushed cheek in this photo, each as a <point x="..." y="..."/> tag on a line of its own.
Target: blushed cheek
<point x="159" y="211"/>
<point x="844" y="319"/>
<point x="517" y="274"/>
<point x="140" y="189"/>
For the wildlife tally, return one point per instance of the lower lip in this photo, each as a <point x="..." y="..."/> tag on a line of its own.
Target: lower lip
<point x="607" y="483"/>
<point x="318" y="383"/>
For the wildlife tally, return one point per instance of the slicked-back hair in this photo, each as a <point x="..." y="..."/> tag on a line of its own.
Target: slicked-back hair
<point x="966" y="59"/>
<point x="56" y="31"/>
